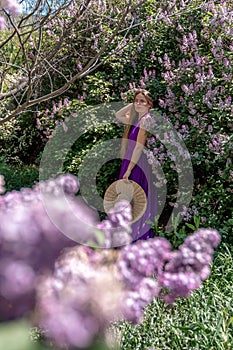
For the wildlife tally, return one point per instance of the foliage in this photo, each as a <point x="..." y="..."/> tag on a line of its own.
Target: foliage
<point x="185" y="61"/>
<point x="17" y="177"/>
<point x="90" y="128"/>
<point x="179" y="231"/>
<point x="21" y="141"/>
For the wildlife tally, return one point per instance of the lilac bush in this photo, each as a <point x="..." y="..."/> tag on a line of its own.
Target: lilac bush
<point x="36" y="225"/>
<point x="191" y="56"/>
<point x="183" y="56"/>
<point x="198" y="102"/>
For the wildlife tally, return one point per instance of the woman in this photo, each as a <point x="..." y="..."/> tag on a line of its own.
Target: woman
<point x="134" y="164"/>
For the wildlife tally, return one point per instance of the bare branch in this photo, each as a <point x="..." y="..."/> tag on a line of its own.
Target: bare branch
<point x="48" y="38"/>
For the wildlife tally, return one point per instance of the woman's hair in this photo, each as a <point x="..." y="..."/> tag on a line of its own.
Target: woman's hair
<point x="146" y="94"/>
<point x="133" y="113"/>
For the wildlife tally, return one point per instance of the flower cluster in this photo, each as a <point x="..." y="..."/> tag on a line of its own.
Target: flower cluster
<point x="151" y="269"/>
<point x="198" y="102"/>
<point x="117" y="227"/>
<point x="189" y="265"/>
<point x="48" y="119"/>
<point x="137" y="264"/>
<point x="78" y="301"/>
<point x="89" y="289"/>
<point x="35" y="225"/>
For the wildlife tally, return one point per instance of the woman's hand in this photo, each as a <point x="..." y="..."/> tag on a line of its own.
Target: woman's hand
<point x="123" y="115"/>
<point x="127" y="175"/>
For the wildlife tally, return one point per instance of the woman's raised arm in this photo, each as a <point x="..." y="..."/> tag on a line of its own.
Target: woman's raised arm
<point x="123" y="115"/>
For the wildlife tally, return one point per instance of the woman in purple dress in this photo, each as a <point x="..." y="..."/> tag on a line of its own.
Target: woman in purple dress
<point x="134" y="164"/>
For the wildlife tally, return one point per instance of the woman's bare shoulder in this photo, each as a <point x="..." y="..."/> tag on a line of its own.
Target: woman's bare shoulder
<point x="146" y="121"/>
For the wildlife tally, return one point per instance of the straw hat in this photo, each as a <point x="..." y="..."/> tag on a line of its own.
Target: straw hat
<point x="130" y="191"/>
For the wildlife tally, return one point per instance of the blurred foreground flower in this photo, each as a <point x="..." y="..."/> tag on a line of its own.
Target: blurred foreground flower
<point x="77" y="303"/>
<point x="117" y="227"/>
<point x="36" y="225"/>
<point x="34" y="228"/>
<point x="138" y="264"/>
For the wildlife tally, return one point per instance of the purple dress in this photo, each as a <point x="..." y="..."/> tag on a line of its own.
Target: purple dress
<point x="142" y="174"/>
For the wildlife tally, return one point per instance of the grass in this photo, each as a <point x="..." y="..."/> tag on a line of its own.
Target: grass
<point x="202" y="322"/>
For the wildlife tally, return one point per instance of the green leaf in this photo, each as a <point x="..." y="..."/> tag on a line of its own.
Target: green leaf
<point x="230" y="321"/>
<point x="197" y="221"/>
<point x="191" y="226"/>
<point x="15" y="335"/>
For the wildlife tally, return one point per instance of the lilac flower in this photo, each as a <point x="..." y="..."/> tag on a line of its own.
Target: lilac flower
<point x="137" y="264"/>
<point x="81" y="298"/>
<point x="152" y="54"/>
<point x="35" y="225"/>
<point x="96" y="42"/>
<point x="160" y="60"/>
<point x="161" y="103"/>
<point x="133" y="64"/>
<point x="79" y="65"/>
<point x="180" y="28"/>
<point x="168" y="77"/>
<point x="185" y="89"/>
<point x="189" y="265"/>
<point x="132" y="86"/>
<point x="136" y="300"/>
<point x="147" y="267"/>
<point x="117" y="227"/>
<point x="66" y="102"/>
<point x="145" y="74"/>
<point x="143" y="259"/>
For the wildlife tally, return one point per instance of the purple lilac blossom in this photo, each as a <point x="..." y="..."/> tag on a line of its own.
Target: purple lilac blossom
<point x="137" y="264"/>
<point x="12" y="6"/>
<point x="89" y="289"/>
<point x="148" y="268"/>
<point x="189" y="265"/>
<point x="117" y="227"/>
<point x="81" y="298"/>
<point x="31" y="241"/>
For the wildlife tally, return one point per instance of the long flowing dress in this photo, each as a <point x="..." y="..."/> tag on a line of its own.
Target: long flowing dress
<point x="142" y="174"/>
